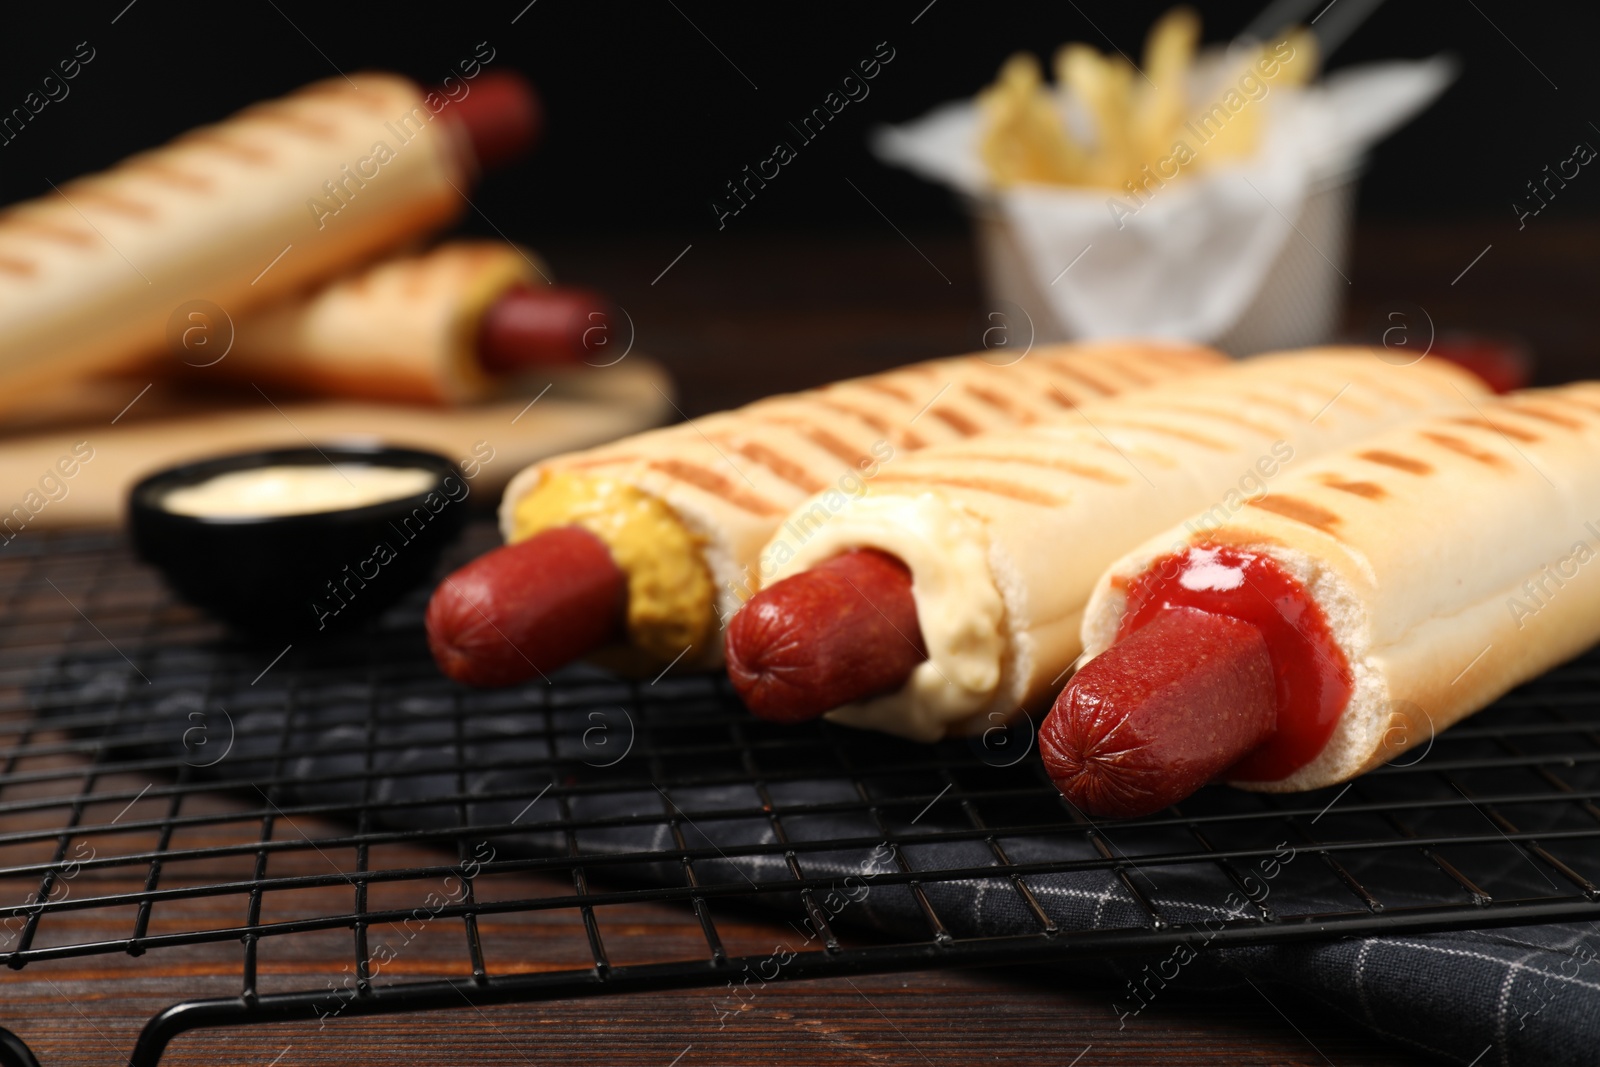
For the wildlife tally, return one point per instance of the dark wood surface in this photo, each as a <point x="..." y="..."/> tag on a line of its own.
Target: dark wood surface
<point x="736" y="318"/>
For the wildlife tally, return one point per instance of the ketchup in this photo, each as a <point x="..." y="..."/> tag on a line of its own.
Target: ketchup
<point x="1311" y="673"/>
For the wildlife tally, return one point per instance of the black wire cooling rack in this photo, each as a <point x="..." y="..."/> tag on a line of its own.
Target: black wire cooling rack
<point x="123" y="715"/>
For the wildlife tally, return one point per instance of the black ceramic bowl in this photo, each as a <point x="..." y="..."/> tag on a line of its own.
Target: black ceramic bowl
<point x="299" y="574"/>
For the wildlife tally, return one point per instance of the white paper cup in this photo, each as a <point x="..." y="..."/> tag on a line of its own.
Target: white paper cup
<point x="1300" y="301"/>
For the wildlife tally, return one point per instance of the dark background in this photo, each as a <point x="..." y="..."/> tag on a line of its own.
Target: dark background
<point x="648" y="120"/>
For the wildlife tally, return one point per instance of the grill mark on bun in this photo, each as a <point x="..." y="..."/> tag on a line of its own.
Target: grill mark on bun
<point x="1464" y="448"/>
<point x="1370" y="490"/>
<point x="1023" y="493"/>
<point x="1093" y="474"/>
<point x="956" y="421"/>
<point x="1397" y="461"/>
<point x="1137" y="375"/>
<point x="1532" y="412"/>
<point x="885" y="388"/>
<point x="279" y="115"/>
<point x="112" y="202"/>
<point x="840" y="450"/>
<point x="161" y="171"/>
<point x="66" y="235"/>
<point x="1000" y="402"/>
<point x="1062" y="368"/>
<point x="1483" y="423"/>
<point x="1302" y="511"/>
<point x="717" y="485"/>
<point x="784" y="468"/>
<point x="877" y="422"/>
<point x="21" y="268"/>
<point x="224" y="144"/>
<point x="1566" y="397"/>
<point x="1060" y="399"/>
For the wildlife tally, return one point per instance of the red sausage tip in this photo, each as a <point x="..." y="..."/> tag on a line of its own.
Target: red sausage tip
<point x="525" y="609"/>
<point x="502" y="116"/>
<point x="533" y="326"/>
<point x="843" y="631"/>
<point x="1160" y="713"/>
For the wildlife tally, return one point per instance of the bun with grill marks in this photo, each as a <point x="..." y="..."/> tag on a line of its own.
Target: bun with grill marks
<point x="1005" y="534"/>
<point x="1453" y="559"/>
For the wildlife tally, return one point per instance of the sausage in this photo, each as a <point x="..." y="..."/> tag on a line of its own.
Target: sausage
<point x="525" y="609"/>
<point x="502" y="117"/>
<point x="1160" y="713"/>
<point x="842" y="631"/>
<point x="531" y="326"/>
<point x="1503" y="365"/>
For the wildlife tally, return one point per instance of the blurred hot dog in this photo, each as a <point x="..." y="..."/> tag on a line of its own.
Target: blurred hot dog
<point x="685" y="510"/>
<point x="440" y="327"/>
<point x="283" y="195"/>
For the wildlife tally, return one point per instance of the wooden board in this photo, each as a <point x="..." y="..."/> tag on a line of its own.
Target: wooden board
<point x="560" y="412"/>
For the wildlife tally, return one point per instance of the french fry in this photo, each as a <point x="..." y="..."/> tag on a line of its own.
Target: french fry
<point x="1163" y="101"/>
<point x="1138" y="122"/>
<point x="1303" y="67"/>
<point x="1104" y="84"/>
<point x="1240" y="136"/>
<point x="1024" y="139"/>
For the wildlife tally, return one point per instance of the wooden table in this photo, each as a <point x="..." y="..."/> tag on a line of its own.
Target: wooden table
<point x="736" y="318"/>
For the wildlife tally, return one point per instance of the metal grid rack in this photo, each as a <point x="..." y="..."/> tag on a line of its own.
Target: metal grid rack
<point x="112" y="756"/>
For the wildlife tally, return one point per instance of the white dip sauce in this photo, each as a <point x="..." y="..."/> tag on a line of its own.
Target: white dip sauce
<point x="261" y="492"/>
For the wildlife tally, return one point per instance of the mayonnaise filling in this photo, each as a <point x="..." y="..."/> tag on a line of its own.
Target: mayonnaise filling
<point x="959" y="608"/>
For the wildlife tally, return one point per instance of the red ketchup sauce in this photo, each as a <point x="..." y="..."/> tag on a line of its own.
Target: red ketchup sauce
<point x="1312" y="675"/>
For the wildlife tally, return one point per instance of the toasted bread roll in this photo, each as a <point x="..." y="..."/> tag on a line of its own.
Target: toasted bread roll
<point x="405" y="329"/>
<point x="1452" y="559"/>
<point x="241" y="214"/>
<point x="1006" y="534"/>
<point x="686" y="509"/>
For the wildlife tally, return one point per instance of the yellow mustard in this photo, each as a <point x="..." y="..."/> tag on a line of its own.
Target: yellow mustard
<point x="671" y="598"/>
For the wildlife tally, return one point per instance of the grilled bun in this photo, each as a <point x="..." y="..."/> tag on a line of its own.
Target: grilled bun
<point x="1006" y="534"/>
<point x="243" y="213"/>
<point x="1452" y="559"/>
<point x="732" y="477"/>
<point x="404" y="329"/>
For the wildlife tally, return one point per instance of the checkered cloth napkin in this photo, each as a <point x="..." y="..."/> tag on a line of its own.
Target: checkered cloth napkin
<point x="537" y="756"/>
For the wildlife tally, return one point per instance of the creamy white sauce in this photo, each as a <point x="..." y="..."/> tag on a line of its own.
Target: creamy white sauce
<point x="959" y="607"/>
<point x="263" y="492"/>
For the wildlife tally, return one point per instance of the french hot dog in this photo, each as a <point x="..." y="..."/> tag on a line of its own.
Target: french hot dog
<point x="685" y="510"/>
<point x="1005" y="534"/>
<point x="1396" y="586"/>
<point x="441" y="327"/>
<point x="243" y="214"/>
